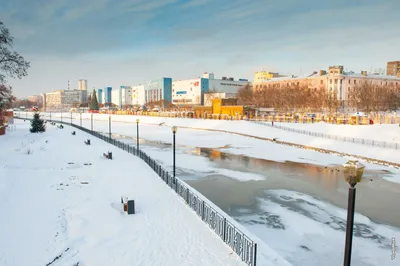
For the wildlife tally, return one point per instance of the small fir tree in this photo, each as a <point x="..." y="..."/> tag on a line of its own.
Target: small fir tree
<point x="94" y="104"/>
<point x="37" y="124"/>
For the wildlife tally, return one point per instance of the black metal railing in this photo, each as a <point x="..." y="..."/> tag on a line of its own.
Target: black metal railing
<point x="240" y="243"/>
<point x="369" y="142"/>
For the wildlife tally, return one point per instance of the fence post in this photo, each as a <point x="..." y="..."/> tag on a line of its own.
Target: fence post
<point x="224" y="229"/>
<point x="255" y="255"/>
<point x="202" y="209"/>
<point x="199" y="203"/>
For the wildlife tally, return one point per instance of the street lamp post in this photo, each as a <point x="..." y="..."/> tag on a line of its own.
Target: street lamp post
<point x="71" y="118"/>
<point x="174" y="130"/>
<point x="80" y="117"/>
<point x="109" y="126"/>
<point x="137" y="136"/>
<point x="353" y="171"/>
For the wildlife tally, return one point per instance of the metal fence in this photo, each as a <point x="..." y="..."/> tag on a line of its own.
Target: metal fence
<point x="241" y="244"/>
<point x="369" y="142"/>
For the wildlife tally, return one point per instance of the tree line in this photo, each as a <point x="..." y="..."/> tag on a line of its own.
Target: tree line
<point x="369" y="97"/>
<point x="365" y="97"/>
<point x="290" y="98"/>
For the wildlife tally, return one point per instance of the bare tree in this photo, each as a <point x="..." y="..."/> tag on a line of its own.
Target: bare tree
<point x="210" y="95"/>
<point x="332" y="102"/>
<point x="6" y="97"/>
<point x="365" y="97"/>
<point x="11" y="65"/>
<point x="245" y="95"/>
<point x="26" y="103"/>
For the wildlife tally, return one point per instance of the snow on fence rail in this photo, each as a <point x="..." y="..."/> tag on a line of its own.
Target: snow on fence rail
<point x="369" y="142"/>
<point x="240" y="243"/>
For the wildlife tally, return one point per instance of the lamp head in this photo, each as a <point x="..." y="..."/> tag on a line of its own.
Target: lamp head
<point x="137" y="120"/>
<point x="353" y="172"/>
<point x="174" y="129"/>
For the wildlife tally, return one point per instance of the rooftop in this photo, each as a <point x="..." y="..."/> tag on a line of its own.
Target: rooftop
<point x="345" y="74"/>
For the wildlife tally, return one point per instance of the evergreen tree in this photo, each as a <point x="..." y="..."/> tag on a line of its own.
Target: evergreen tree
<point x="37" y="124"/>
<point x="94" y="104"/>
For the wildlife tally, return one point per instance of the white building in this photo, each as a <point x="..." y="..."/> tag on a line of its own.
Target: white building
<point x="225" y="84"/>
<point x="64" y="99"/>
<point x="126" y="96"/>
<point x="192" y="91"/>
<point x="189" y="92"/>
<point x="115" y="97"/>
<point x="122" y="96"/>
<point x="83" y="85"/>
<point x="138" y="95"/>
<point x="208" y="97"/>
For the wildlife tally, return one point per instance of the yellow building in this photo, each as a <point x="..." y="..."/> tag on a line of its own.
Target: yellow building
<point x="223" y="108"/>
<point x="264" y="75"/>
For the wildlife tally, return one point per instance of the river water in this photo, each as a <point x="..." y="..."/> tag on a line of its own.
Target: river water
<point x="377" y="198"/>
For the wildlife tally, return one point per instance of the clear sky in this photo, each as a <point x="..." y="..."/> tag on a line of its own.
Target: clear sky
<point x="126" y="42"/>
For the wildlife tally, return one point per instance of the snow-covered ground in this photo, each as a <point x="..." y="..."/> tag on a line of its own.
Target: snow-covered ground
<point x="303" y="229"/>
<point x="380" y="132"/>
<point x="253" y="129"/>
<point x="61" y="198"/>
<point x="150" y="129"/>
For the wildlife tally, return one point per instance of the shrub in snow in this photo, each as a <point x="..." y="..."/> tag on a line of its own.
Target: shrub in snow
<point x="37" y="124"/>
<point x="29" y="151"/>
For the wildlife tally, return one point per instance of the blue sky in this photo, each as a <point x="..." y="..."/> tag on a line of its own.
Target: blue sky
<point x="124" y="42"/>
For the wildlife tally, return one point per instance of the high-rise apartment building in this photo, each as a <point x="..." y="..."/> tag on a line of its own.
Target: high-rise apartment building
<point x="83" y="85"/>
<point x="393" y="68"/>
<point x="100" y="97"/>
<point x="107" y="95"/>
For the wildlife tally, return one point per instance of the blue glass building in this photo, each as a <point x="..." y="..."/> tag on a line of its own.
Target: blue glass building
<point x="158" y="89"/>
<point x="107" y="94"/>
<point x="100" y="95"/>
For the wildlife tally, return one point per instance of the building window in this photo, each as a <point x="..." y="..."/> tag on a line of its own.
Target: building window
<point x="349" y="81"/>
<point x="330" y="81"/>
<point x="355" y="81"/>
<point x="322" y="82"/>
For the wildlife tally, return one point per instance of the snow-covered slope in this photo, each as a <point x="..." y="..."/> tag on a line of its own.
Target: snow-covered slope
<point x="60" y="200"/>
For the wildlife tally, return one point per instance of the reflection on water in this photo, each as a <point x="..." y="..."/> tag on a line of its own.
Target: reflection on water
<point x="376" y="198"/>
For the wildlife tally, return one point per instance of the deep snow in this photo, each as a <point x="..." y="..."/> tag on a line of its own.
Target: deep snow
<point x="53" y="204"/>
